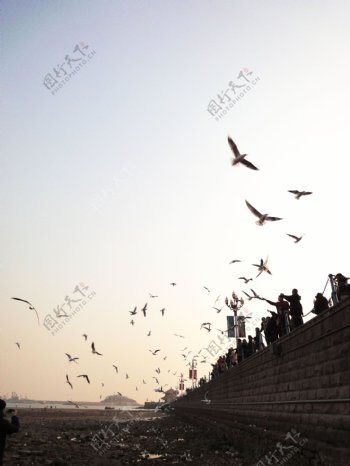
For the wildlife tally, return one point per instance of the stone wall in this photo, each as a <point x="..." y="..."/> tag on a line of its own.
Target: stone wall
<point x="301" y="383"/>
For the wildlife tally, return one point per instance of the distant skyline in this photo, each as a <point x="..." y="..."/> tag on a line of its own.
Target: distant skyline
<point x="120" y="182"/>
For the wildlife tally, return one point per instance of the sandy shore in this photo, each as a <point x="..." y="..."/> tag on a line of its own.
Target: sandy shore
<point x="77" y="437"/>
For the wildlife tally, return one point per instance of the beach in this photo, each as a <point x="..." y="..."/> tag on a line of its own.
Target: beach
<point x="112" y="437"/>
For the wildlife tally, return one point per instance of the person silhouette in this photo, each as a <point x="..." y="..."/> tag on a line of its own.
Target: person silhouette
<point x="6" y="427"/>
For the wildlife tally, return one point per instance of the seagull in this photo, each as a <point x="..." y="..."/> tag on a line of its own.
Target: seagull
<point x="206" y="288"/>
<point x="162" y="311"/>
<point x="217" y="299"/>
<point x="116" y="368"/>
<point x="206" y="401"/>
<point x="248" y="296"/>
<point x="74" y="404"/>
<point x="296" y="238"/>
<point x="206" y="328"/>
<point x="206" y="323"/>
<point x="246" y="280"/>
<point x="85" y="336"/>
<point x="19" y="346"/>
<point x="263" y="266"/>
<point x="173" y="284"/>
<point x="262" y="217"/>
<point x="143" y="382"/>
<point x="119" y="394"/>
<point x="153" y="296"/>
<point x="238" y="157"/>
<point x="68" y="381"/>
<point x="185" y="348"/>
<point x="298" y="194"/>
<point x="93" y="349"/>
<point x="149" y="333"/>
<point x="127" y="376"/>
<point x="165" y="358"/>
<point x="70" y="359"/>
<point x="155" y="378"/>
<point x="174" y="373"/>
<point x="255" y="294"/>
<point x="85" y="377"/>
<point x="180" y="336"/>
<point x="154" y="352"/>
<point x="234" y="261"/>
<point x="158" y="370"/>
<point x="132" y="313"/>
<point x="137" y="389"/>
<point x="218" y="310"/>
<point x="144" y="309"/>
<point x="102" y="384"/>
<point x="31" y="307"/>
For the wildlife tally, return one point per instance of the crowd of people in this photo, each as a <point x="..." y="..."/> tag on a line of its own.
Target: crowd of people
<point x="288" y="315"/>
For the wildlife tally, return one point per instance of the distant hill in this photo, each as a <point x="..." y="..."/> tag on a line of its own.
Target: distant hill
<point x="119" y="400"/>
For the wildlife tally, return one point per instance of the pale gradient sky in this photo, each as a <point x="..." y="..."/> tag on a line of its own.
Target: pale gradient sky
<point x="122" y="180"/>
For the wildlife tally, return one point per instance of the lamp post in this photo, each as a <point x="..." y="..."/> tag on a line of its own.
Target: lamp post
<point x="193" y="372"/>
<point x="235" y="305"/>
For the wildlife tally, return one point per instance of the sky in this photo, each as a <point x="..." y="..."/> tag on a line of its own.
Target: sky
<point x="117" y="181"/>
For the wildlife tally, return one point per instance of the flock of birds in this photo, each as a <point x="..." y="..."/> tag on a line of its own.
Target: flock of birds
<point x="262" y="266"/>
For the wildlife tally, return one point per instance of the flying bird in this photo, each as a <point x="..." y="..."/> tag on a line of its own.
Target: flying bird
<point x="149" y="333"/>
<point x="173" y="284"/>
<point x="143" y="382"/>
<point x="93" y="349"/>
<point x="158" y="370"/>
<point x="85" y="377"/>
<point x="177" y="335"/>
<point x="262" y="217"/>
<point x="85" y="336"/>
<point x="206" y="326"/>
<point x="262" y="267"/>
<point x="238" y="157"/>
<point x="116" y="368"/>
<point x="206" y="288"/>
<point x="154" y="352"/>
<point x="19" y="346"/>
<point x="132" y="322"/>
<point x="218" y="310"/>
<point x="255" y="294"/>
<point x="217" y="299"/>
<point x="298" y="194"/>
<point x="162" y="311"/>
<point x="119" y="394"/>
<point x="248" y="296"/>
<point x="127" y="376"/>
<point x="144" y="309"/>
<point x="234" y="261"/>
<point x="153" y="295"/>
<point x="206" y="323"/>
<point x="155" y="378"/>
<point x="246" y="280"/>
<point x="31" y="307"/>
<point x="132" y="313"/>
<point x="68" y="381"/>
<point x="70" y="359"/>
<point x="74" y="404"/>
<point x="165" y="358"/>
<point x="296" y="238"/>
<point x="205" y="400"/>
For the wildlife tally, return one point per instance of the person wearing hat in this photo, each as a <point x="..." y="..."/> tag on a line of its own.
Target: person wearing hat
<point x="320" y="304"/>
<point x="6" y="427"/>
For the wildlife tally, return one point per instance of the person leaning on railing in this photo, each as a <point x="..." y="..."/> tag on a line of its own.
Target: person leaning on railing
<point x="342" y="286"/>
<point x="320" y="304"/>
